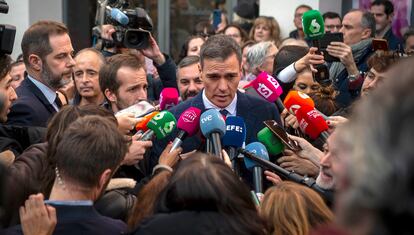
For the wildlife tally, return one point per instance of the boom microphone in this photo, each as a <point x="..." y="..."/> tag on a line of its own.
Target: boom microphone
<point x="291" y="176"/>
<point x="260" y="150"/>
<point x="168" y="98"/>
<point x="234" y="139"/>
<point x="312" y="123"/>
<point x="188" y="125"/>
<point x="161" y="125"/>
<point x="213" y="127"/>
<point x="267" y="87"/>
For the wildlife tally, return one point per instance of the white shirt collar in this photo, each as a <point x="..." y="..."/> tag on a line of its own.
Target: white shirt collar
<point x="231" y="108"/>
<point x="49" y="93"/>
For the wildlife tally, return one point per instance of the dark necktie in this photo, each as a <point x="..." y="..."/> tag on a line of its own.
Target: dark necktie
<point x="224" y="113"/>
<point x="58" y="102"/>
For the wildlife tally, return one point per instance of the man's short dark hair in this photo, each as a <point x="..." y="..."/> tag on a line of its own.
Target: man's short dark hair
<point x="331" y="15"/>
<point x="219" y="47"/>
<point x="5" y="65"/>
<point x="108" y="73"/>
<point x="388" y="6"/>
<point x="36" y="38"/>
<point x="88" y="147"/>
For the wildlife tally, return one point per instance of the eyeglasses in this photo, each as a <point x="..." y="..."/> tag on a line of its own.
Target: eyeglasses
<point x="339" y="26"/>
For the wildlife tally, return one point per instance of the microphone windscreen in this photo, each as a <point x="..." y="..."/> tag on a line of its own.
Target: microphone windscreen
<point x="189" y="121"/>
<point x="257" y="148"/>
<point x="267" y="87"/>
<point x="313" y="25"/>
<point x="142" y="125"/>
<point x="235" y="132"/>
<point x="296" y="99"/>
<point x="273" y="144"/>
<point x="119" y="16"/>
<point x="168" y="98"/>
<point x="311" y="121"/>
<point x="162" y="124"/>
<point x="211" y="121"/>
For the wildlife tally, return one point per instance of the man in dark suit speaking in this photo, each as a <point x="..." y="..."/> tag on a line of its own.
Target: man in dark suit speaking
<point x="220" y="64"/>
<point x="47" y="54"/>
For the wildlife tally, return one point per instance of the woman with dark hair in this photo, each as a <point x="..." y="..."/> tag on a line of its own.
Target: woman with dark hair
<point x="236" y="32"/>
<point x="324" y="99"/>
<point x="33" y="171"/>
<point x="203" y="196"/>
<point x="191" y="47"/>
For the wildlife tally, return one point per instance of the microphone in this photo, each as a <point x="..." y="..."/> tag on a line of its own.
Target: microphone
<point x="188" y="125"/>
<point x="291" y="176"/>
<point x="272" y="143"/>
<point x="234" y="139"/>
<point x="213" y="127"/>
<point x="260" y="150"/>
<point x="296" y="99"/>
<point x="267" y="87"/>
<point x="312" y="123"/>
<point x="168" y="98"/>
<point x="313" y="26"/>
<point x="118" y="16"/>
<point x="142" y="125"/>
<point x="161" y="125"/>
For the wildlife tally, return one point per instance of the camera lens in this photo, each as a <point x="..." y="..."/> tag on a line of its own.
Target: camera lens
<point x="136" y="39"/>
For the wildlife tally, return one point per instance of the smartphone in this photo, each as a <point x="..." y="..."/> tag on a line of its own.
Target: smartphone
<point x="322" y="75"/>
<point x="216" y="18"/>
<point x="380" y="45"/>
<point x="282" y="135"/>
<point x="326" y="40"/>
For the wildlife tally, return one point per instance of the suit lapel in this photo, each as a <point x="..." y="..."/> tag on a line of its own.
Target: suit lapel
<point x="197" y="102"/>
<point x="244" y="108"/>
<point x="38" y="93"/>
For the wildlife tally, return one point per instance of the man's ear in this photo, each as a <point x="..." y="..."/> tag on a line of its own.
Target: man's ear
<point x="201" y="71"/>
<point x="390" y="17"/>
<point x="366" y="33"/>
<point x="35" y="62"/>
<point x="104" y="179"/>
<point x="110" y="96"/>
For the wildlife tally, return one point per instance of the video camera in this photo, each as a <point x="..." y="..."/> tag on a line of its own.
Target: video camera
<point x="7" y="32"/>
<point x="132" y="26"/>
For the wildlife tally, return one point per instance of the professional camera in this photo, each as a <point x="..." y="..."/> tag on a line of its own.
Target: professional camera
<point x="133" y="26"/>
<point x="7" y="32"/>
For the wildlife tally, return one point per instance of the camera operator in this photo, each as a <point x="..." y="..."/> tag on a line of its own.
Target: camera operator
<point x="163" y="63"/>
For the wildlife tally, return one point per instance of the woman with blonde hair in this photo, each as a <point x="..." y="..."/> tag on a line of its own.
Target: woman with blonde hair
<point x="265" y="28"/>
<point x="293" y="209"/>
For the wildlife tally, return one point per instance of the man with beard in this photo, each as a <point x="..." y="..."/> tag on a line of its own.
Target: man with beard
<point x="123" y="81"/>
<point x="47" y="54"/>
<point x="188" y="77"/>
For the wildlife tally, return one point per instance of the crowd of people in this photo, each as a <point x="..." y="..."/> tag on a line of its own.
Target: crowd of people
<point x="74" y="161"/>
